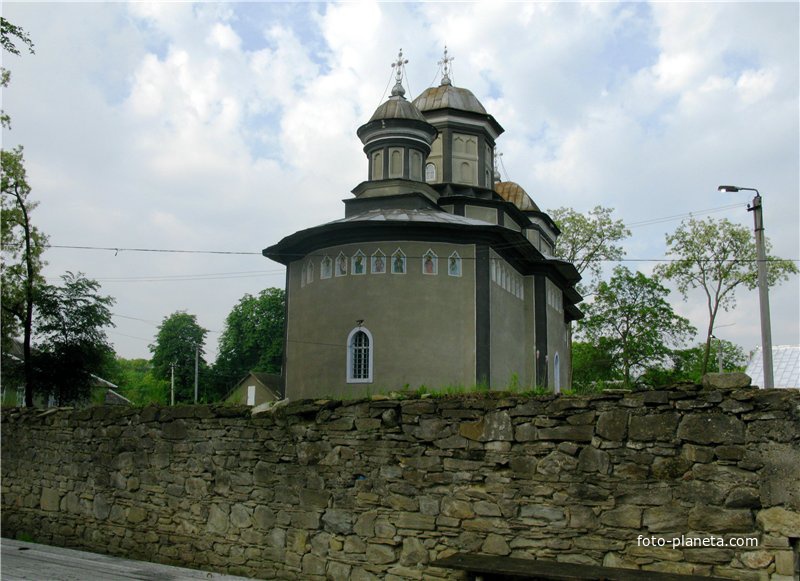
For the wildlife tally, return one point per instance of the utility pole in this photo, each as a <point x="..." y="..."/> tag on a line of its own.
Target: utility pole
<point x="763" y="287"/>
<point x="172" y="384"/>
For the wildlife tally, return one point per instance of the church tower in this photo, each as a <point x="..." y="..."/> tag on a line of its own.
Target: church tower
<point x="437" y="275"/>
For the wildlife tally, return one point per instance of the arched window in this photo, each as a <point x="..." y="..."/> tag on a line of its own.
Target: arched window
<point x="416" y="165"/>
<point x="396" y="163"/>
<point x="430" y="172"/>
<point x="359" y="356"/>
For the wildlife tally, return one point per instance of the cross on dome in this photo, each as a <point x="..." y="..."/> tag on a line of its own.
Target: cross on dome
<point x="398" y="90"/>
<point x="445" y="63"/>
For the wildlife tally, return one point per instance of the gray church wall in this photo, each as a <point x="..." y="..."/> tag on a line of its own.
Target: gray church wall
<point x="377" y="489"/>
<point x="557" y="337"/>
<point x="511" y="327"/>
<point x="416" y="340"/>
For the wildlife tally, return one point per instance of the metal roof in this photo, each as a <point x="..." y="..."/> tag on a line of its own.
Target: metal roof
<point x="400" y="215"/>
<point x="397" y="108"/>
<point x="514" y="193"/>
<point x="785" y="366"/>
<point x="449" y="97"/>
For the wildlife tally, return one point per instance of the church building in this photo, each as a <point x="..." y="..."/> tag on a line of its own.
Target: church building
<point x="438" y="275"/>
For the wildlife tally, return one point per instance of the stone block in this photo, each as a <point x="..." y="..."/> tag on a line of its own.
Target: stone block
<point x="380" y="554"/>
<point x="735" y="380"/>
<point x="337" y="571"/>
<point x="779" y="520"/>
<point x="653" y="427"/>
<point x="174" y="430"/>
<point x="570" y="433"/>
<point x="743" y="498"/>
<point x="338" y="521"/>
<point x="672" y="518"/>
<point x="50" y="500"/>
<point x="711" y="429"/>
<point x="556" y="463"/>
<point x="495" y="545"/>
<point x="365" y="524"/>
<point x="525" y="432"/>
<point x="313" y="565"/>
<point x="756" y="559"/>
<point x="413" y="552"/>
<point x="264" y="517"/>
<point x="217" y="522"/>
<point x="493" y="426"/>
<point x="622" y="517"/>
<point x="591" y="459"/>
<point x="784" y="562"/>
<point x="456" y="508"/>
<point x="542" y="512"/>
<point x="719" y="520"/>
<point x="613" y="425"/>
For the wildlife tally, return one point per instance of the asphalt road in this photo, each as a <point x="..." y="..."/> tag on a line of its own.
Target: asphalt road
<point x="31" y="561"/>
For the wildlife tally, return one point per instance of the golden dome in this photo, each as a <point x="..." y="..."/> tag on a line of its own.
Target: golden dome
<point x="513" y="192"/>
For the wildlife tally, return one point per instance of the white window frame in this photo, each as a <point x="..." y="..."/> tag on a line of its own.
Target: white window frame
<point x="435" y="259"/>
<point x="325" y="260"/>
<point x="370" y="353"/>
<point x="354" y="260"/>
<point x="373" y="259"/>
<point x="460" y="263"/>
<point x="402" y="255"/>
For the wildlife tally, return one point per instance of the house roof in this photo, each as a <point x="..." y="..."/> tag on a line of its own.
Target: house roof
<point x="785" y="366"/>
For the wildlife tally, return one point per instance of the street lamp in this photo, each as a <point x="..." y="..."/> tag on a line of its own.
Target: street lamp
<point x="763" y="289"/>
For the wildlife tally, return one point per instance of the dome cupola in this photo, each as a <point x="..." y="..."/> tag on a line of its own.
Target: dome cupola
<point x="464" y="149"/>
<point x="397" y="138"/>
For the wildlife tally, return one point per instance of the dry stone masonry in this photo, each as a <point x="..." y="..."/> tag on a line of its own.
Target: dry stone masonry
<point x="378" y="489"/>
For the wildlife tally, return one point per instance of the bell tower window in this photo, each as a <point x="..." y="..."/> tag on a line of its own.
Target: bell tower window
<point x="430" y="172"/>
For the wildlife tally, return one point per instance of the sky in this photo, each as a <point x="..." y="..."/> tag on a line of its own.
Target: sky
<point x="226" y="126"/>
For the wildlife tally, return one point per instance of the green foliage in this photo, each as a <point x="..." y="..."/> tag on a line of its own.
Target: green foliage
<point x="717" y="257"/>
<point x="686" y="365"/>
<point x="20" y="267"/>
<point x="7" y="33"/>
<point x="136" y="382"/>
<point x="631" y="320"/>
<point x="252" y="339"/>
<point x="71" y="343"/>
<point x="178" y="336"/>
<point x="592" y="365"/>
<point x="587" y="240"/>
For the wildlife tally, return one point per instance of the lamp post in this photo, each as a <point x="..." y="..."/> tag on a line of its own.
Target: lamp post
<point x="763" y="288"/>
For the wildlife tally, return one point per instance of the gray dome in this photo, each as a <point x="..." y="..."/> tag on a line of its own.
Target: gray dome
<point x="397" y="108"/>
<point x="447" y="96"/>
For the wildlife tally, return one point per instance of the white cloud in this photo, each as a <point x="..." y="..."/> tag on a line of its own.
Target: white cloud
<point x="169" y="125"/>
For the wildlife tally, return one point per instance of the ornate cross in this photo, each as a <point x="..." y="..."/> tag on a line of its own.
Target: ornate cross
<point x="445" y="64"/>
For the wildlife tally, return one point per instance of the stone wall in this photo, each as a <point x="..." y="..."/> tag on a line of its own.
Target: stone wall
<point x="377" y="489"/>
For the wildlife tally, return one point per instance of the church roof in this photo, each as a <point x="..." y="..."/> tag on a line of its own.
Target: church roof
<point x="403" y="215"/>
<point x="785" y="366"/>
<point x="446" y="96"/>
<point x="514" y="193"/>
<point x="397" y="108"/>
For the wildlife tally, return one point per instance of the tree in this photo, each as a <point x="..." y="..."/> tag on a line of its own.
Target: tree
<point x="20" y="260"/>
<point x="632" y="320"/>
<point x="717" y="257"/>
<point x="686" y="365"/>
<point x="587" y="240"/>
<point x="252" y="339"/>
<point x="592" y="365"/>
<point x="7" y="32"/>
<point x="21" y="243"/>
<point x="71" y="341"/>
<point x="136" y="381"/>
<point x="179" y="340"/>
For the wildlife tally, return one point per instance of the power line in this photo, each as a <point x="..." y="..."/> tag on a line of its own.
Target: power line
<point x="161" y="250"/>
